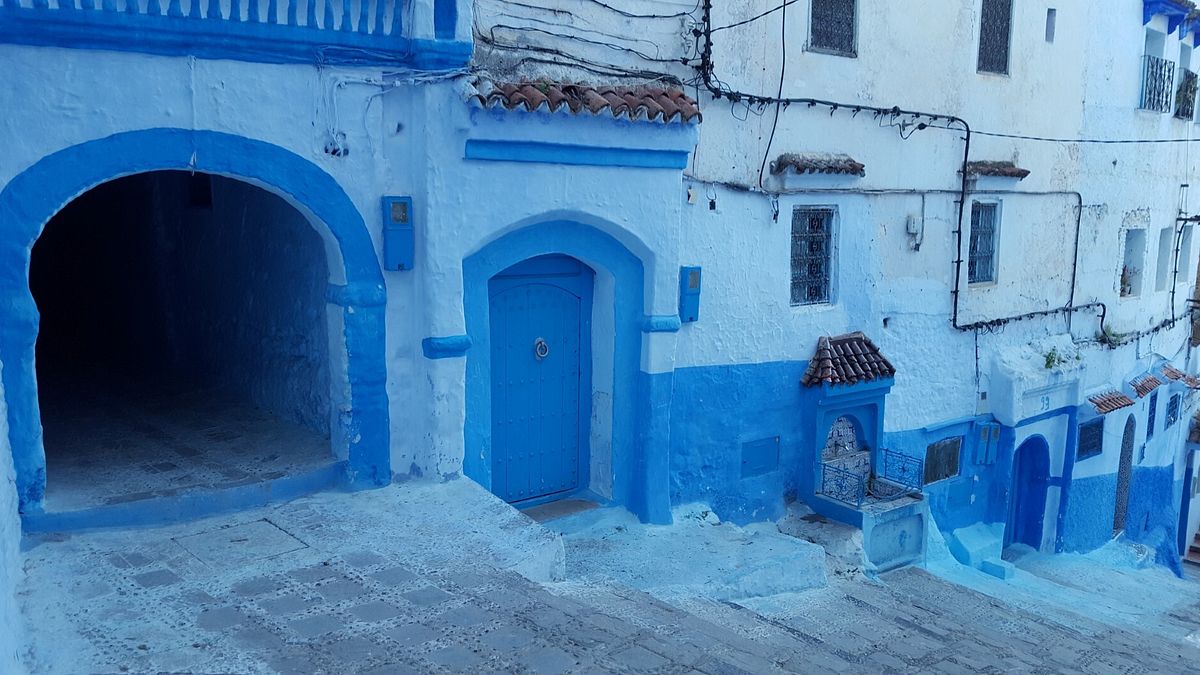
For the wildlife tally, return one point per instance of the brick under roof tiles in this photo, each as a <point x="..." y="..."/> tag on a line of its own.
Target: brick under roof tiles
<point x="1145" y="384"/>
<point x="846" y="359"/>
<point x="826" y="163"/>
<point x="997" y="169"/>
<point x="658" y="104"/>
<point x="1110" y="401"/>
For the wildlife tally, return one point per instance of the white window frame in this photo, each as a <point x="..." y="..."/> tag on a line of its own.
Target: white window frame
<point x="834" y="229"/>
<point x="810" y="47"/>
<point x="995" y="243"/>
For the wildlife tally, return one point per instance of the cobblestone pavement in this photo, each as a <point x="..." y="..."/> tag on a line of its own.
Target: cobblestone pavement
<point x="398" y="581"/>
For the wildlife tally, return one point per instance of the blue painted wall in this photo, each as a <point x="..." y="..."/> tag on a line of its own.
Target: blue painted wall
<point x="247" y="298"/>
<point x="1152" y="519"/>
<point x="715" y="410"/>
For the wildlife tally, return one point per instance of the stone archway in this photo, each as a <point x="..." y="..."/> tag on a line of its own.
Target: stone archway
<point x="29" y="201"/>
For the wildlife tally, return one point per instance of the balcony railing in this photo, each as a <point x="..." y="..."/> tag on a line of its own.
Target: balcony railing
<point x="1185" y="96"/>
<point x="334" y="32"/>
<point x="848" y="487"/>
<point x="903" y="470"/>
<point x="1158" y="79"/>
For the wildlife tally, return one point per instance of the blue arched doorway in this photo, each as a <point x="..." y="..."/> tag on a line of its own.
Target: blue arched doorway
<point x="636" y="471"/>
<point x="35" y="195"/>
<point x="1027" y="505"/>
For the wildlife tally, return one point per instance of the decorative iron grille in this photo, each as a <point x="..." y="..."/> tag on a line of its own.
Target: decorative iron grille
<point x="844" y="486"/>
<point x="902" y="469"/>
<point x="812" y="254"/>
<point x="832" y="27"/>
<point x="1172" y="411"/>
<point x="1091" y="439"/>
<point x="981" y="263"/>
<point x="1185" y="96"/>
<point x="1158" y="78"/>
<point x="995" y="28"/>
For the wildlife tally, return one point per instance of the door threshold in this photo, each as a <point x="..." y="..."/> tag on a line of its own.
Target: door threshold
<point x="561" y="505"/>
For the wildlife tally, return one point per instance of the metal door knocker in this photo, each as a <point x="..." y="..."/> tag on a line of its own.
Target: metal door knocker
<point x="540" y="349"/>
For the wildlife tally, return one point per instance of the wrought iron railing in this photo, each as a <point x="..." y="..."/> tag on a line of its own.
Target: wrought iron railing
<point x="1185" y="96"/>
<point x="845" y="486"/>
<point x="903" y="470"/>
<point x="1158" y="80"/>
<point x="345" y="32"/>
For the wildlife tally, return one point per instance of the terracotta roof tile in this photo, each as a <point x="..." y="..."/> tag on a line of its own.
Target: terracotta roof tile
<point x="998" y="169"/>
<point x="1191" y="381"/>
<point x="1110" y="401"/>
<point x="1172" y="373"/>
<point x="802" y="163"/>
<point x="1145" y="384"/>
<point x="846" y="359"/>
<point x="658" y="104"/>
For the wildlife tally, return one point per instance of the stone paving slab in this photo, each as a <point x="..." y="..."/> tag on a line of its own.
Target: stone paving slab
<point x="388" y="582"/>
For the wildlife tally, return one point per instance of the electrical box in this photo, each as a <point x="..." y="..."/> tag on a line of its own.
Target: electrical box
<point x="397" y="233"/>
<point x="689" y="294"/>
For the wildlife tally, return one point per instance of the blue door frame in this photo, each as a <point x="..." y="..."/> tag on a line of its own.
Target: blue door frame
<point x="540" y="314"/>
<point x="1186" y="503"/>
<point x="1027" y="506"/>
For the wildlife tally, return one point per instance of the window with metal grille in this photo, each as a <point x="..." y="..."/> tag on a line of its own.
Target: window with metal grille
<point x="995" y="29"/>
<point x="812" y="254"/>
<point x="831" y="27"/>
<point x="981" y="263"/>
<point x="941" y="459"/>
<point x="1091" y="439"/>
<point x="1151" y="414"/>
<point x="1172" y="411"/>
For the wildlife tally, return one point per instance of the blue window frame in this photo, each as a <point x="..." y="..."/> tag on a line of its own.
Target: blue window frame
<point x="1151" y="414"/>
<point x="812" y="254"/>
<point x="1091" y="439"/>
<point x="1172" y="411"/>
<point x="981" y="261"/>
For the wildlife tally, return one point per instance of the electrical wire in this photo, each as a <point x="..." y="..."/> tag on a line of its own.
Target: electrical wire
<point x="756" y="17"/>
<point x="779" y="95"/>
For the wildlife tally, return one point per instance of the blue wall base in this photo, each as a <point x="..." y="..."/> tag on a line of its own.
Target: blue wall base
<point x="190" y="506"/>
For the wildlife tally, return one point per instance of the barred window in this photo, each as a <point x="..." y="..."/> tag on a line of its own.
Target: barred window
<point x="942" y="459"/>
<point x="981" y="263"/>
<point x="812" y="254"/>
<point x="1091" y="439"/>
<point x="832" y="27"/>
<point x="1150" y="416"/>
<point x="995" y="28"/>
<point x="1172" y="411"/>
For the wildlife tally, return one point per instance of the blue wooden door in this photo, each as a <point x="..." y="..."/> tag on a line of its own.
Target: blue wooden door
<point x="540" y="346"/>
<point x="1030" y="479"/>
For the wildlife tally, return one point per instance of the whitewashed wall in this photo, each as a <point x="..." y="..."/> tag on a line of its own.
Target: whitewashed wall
<point x="11" y="630"/>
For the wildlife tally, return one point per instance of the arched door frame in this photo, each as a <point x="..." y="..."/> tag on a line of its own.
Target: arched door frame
<point x="34" y="196"/>
<point x="639" y="473"/>
<point x="1027" y="507"/>
<point x="1124" y="474"/>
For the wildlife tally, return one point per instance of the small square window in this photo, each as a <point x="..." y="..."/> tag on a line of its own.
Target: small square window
<point x="981" y="263"/>
<point x="812" y="254"/>
<point x="831" y="27"/>
<point x="995" y="32"/>
<point x="1091" y="439"/>
<point x="942" y="459"/>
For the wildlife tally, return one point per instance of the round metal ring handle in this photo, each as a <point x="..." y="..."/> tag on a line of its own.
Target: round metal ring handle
<point x="540" y="349"/>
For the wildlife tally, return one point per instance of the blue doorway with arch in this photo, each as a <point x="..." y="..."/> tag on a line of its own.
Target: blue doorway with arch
<point x="353" y="292"/>
<point x="1030" y="481"/>
<point x="541" y="377"/>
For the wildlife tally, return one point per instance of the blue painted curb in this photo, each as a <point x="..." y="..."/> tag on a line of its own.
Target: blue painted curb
<point x="661" y="323"/>
<point x="446" y="347"/>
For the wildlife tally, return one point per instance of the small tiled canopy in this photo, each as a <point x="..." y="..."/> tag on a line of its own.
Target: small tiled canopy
<point x="1110" y="401"/>
<point x="1172" y="373"/>
<point x="846" y="359"/>
<point x="827" y="163"/>
<point x="1145" y="384"/>
<point x="996" y="169"/>
<point x="658" y="104"/>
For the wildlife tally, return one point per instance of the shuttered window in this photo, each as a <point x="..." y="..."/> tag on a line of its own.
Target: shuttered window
<point x="1172" y="411"/>
<point x="981" y="263"/>
<point x="832" y="27"/>
<point x="812" y="254"/>
<point x="995" y="30"/>
<point x="942" y="459"/>
<point x="1151" y="414"/>
<point x="1091" y="439"/>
